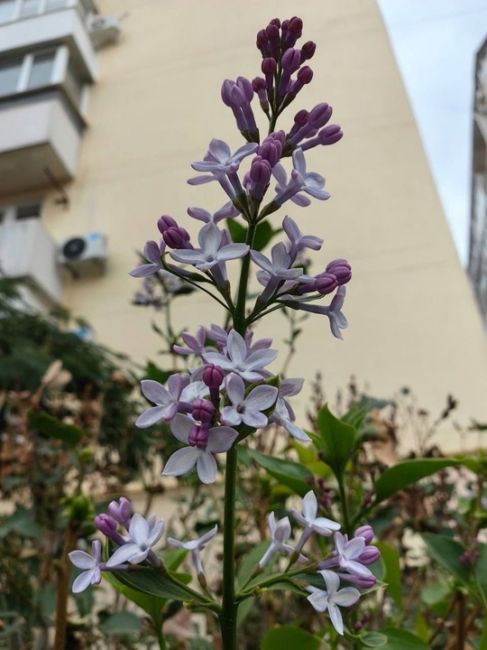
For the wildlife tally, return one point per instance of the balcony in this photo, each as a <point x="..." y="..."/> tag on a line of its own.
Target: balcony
<point x="28" y="254"/>
<point x="66" y="25"/>
<point x="39" y="141"/>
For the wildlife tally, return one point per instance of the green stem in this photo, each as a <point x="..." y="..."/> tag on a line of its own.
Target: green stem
<point x="344" y="504"/>
<point x="160" y="638"/>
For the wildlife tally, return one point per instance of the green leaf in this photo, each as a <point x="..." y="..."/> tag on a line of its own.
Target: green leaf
<point x="158" y="584"/>
<point x="153" y="605"/>
<point x="122" y="624"/>
<point x="447" y="551"/>
<point x="263" y="234"/>
<point x="373" y="640"/>
<point x="400" y="476"/>
<point x="402" y="640"/>
<point x="392" y="574"/>
<point x="483" y="638"/>
<point x="22" y="523"/>
<point x="250" y="561"/>
<point x="238" y="232"/>
<point x="293" y="475"/>
<point x="49" y="426"/>
<point x="290" y="636"/>
<point x="435" y="592"/>
<point x="157" y="374"/>
<point x="335" y="439"/>
<point x="481" y="569"/>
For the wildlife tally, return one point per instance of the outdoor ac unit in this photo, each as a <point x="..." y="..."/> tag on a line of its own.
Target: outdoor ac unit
<point x="104" y="30"/>
<point x="84" y="256"/>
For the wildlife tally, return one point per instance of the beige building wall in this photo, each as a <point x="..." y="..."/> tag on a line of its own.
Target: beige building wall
<point x="156" y="106"/>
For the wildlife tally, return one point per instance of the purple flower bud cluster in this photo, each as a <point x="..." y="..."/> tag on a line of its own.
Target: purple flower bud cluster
<point x="173" y="235"/>
<point x="310" y="129"/>
<point x="238" y="96"/>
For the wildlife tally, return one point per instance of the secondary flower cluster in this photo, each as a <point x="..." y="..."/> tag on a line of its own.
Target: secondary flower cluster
<point x="350" y="558"/>
<point x="133" y="537"/>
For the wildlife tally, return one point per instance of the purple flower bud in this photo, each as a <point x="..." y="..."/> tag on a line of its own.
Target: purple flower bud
<point x="272" y="33"/>
<point x="325" y="283"/>
<point x="262" y="42"/>
<point x="269" y="66"/>
<point x="369" y="555"/>
<point x="246" y="88"/>
<point x="296" y="26"/>
<point x="307" y="51"/>
<point x="258" y="84"/>
<point x="330" y="134"/>
<point x="301" y="118"/>
<point x="106" y="524"/>
<point x="260" y="171"/>
<point x="176" y="237"/>
<point x="320" y="115"/>
<point x="292" y="31"/>
<point x="121" y="511"/>
<point x="366" y="531"/>
<point x="363" y="582"/>
<point x="275" y="21"/>
<point x="270" y="151"/>
<point x="291" y="60"/>
<point x="166" y="222"/>
<point x="341" y="269"/>
<point x="305" y="75"/>
<point x="198" y="437"/>
<point x="213" y="376"/>
<point x="203" y="410"/>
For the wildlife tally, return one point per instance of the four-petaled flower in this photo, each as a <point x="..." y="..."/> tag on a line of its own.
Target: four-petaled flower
<point x="91" y="565"/>
<point x="308" y="518"/>
<point x="200" y="450"/>
<point x="348" y="554"/>
<point x="228" y="211"/>
<point x="309" y="182"/>
<point x="143" y="535"/>
<point x="153" y="253"/>
<point x="166" y="399"/>
<point x="333" y="598"/>
<point x="212" y="251"/>
<point x="240" y="360"/>
<point x="298" y="241"/>
<point x="195" y="546"/>
<point x="280" y="266"/>
<point x="195" y="344"/>
<point x="247" y="409"/>
<point x="220" y="160"/>
<point x="280" y="533"/>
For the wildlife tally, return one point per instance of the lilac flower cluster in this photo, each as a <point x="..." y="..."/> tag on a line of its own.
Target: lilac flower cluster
<point x="348" y="562"/>
<point x="228" y="389"/>
<point x="133" y="537"/>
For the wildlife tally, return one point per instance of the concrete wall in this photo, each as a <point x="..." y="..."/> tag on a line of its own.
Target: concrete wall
<point x="412" y="317"/>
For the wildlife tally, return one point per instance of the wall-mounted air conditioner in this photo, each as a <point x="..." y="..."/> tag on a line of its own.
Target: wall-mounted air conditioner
<point x="104" y="30"/>
<point x="84" y="256"/>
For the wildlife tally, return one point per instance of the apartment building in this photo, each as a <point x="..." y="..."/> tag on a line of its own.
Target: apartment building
<point x="103" y="107"/>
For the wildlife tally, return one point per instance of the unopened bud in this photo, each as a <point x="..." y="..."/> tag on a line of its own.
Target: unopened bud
<point x="213" y="376"/>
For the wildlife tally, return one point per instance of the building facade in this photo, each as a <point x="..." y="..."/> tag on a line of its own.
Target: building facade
<point x="96" y="142"/>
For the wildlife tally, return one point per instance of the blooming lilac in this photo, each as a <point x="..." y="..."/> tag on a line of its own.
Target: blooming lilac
<point x="280" y="266"/>
<point x="247" y="409"/>
<point x="297" y="241"/>
<point x="311" y="522"/>
<point x="220" y="160"/>
<point x="334" y="312"/>
<point x="212" y="250"/>
<point x="280" y="533"/>
<point x="228" y="211"/>
<point x="166" y="400"/>
<point x="194" y="344"/>
<point x="294" y="194"/>
<point x="91" y="565"/>
<point x="239" y="359"/>
<point x="200" y="449"/>
<point x="333" y="598"/>
<point x="153" y="253"/>
<point x="309" y="182"/>
<point x="143" y="534"/>
<point x="348" y="555"/>
<point x="195" y="546"/>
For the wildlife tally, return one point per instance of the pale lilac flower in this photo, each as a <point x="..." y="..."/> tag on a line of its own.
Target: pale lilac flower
<point x="333" y="598"/>
<point x="195" y="546"/>
<point x="240" y="360"/>
<point x="334" y="312"/>
<point x="348" y="554"/>
<point x="91" y="565"/>
<point x="297" y="197"/>
<point x="311" y="522"/>
<point x="194" y="344"/>
<point x="121" y="511"/>
<point x="219" y="160"/>
<point x="200" y="450"/>
<point x="228" y="211"/>
<point x="166" y="400"/>
<point x="284" y="416"/>
<point x="143" y="535"/>
<point x="280" y="266"/>
<point x="298" y="241"/>
<point x="280" y="533"/>
<point x="309" y="182"/>
<point x="247" y="409"/>
<point x="212" y="250"/>
<point x="153" y="253"/>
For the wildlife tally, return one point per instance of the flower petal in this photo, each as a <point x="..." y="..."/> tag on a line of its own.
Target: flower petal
<point x="181" y="462"/>
<point x="261" y="398"/>
<point x="332" y="581"/>
<point x="318" y="599"/>
<point x="254" y="419"/>
<point x="325" y="526"/>
<point x="310" y="506"/>
<point x="346" y="597"/>
<point x="144" y="270"/>
<point x="139" y="529"/>
<point x="219" y="150"/>
<point x="237" y="348"/>
<point x="150" y="417"/>
<point x="155" y="392"/>
<point x="231" y="416"/>
<point x="220" y="439"/>
<point x="181" y="427"/>
<point x="82" y="560"/>
<point x="206" y="468"/>
<point x="335" y="617"/>
<point x="83" y="581"/>
<point x="190" y="256"/>
<point x="232" y="252"/>
<point x="260" y="359"/>
<point x="123" y="554"/>
<point x="235" y="389"/>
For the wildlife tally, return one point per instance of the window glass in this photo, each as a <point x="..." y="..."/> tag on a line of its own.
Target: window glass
<point x="2" y="217"/>
<point x="29" y="8"/>
<point x="9" y="75"/>
<point x="28" y="211"/>
<point x="41" y="72"/>
<point x="74" y="84"/>
<point x="52" y="5"/>
<point x="7" y="8"/>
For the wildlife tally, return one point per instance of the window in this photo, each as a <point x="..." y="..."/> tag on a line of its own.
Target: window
<point x="28" y="211"/>
<point x="7" y="10"/>
<point x="74" y="84"/>
<point x="41" y="72"/>
<point x="9" y="75"/>
<point x="29" y="8"/>
<point x="52" y="5"/>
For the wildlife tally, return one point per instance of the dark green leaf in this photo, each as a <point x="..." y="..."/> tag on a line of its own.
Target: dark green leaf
<point x="402" y="640"/>
<point x="153" y="605"/>
<point x="446" y="551"/>
<point x="157" y="584"/>
<point x="49" y="426"/>
<point x="374" y="640"/>
<point x="481" y="569"/>
<point x="407" y="473"/>
<point x="392" y="574"/>
<point x="263" y="234"/>
<point x="157" y="374"/>
<point x="335" y="439"/>
<point x="293" y="475"/>
<point x="290" y="636"/>
<point x="122" y="624"/>
<point x="250" y="561"/>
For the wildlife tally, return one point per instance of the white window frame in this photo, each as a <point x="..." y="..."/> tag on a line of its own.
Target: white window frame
<point x="58" y="73"/>
<point x="41" y="9"/>
<point x="9" y="212"/>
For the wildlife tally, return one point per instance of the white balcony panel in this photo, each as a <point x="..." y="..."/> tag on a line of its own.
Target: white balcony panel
<point x="28" y="253"/>
<point x="65" y="26"/>
<point x="34" y="135"/>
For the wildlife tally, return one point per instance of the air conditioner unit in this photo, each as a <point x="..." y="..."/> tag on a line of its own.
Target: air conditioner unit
<point x="104" y="30"/>
<point x="84" y="256"/>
